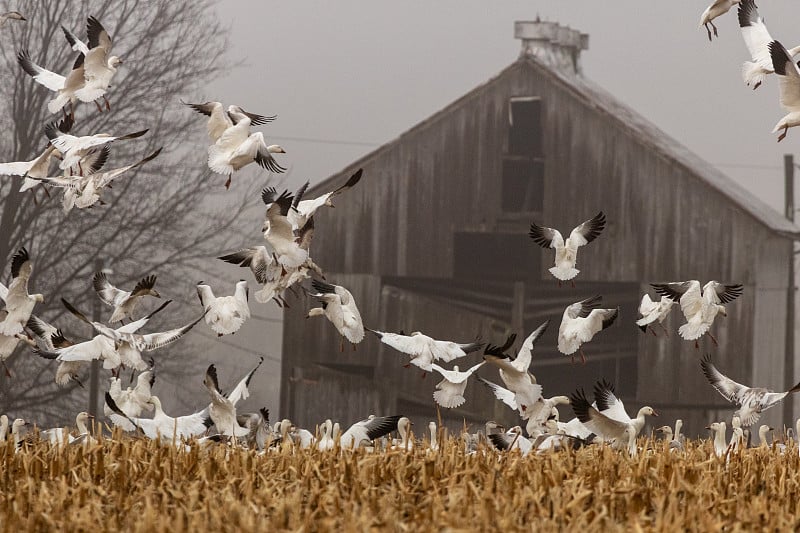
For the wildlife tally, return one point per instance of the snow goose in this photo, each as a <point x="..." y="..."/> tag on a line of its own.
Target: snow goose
<point x="371" y="429"/>
<point x="225" y="314"/>
<point x="406" y="441"/>
<point x="339" y="307"/>
<point x="751" y="401"/>
<point x="305" y="209"/>
<point x="720" y="442"/>
<point x="671" y="442"/>
<point x="762" y="435"/>
<point x="278" y="230"/>
<point x="700" y="306"/>
<point x="511" y="440"/>
<point x="219" y="120"/>
<point x="223" y="406"/>
<point x="8" y="344"/>
<point x="433" y="445"/>
<point x="62" y="436"/>
<point x="99" y="65"/>
<point x="19" y="304"/>
<point x="424" y="350"/>
<point x="789" y="76"/>
<point x="10" y="15"/>
<point x="3" y="428"/>
<point x="717" y="8"/>
<point x="123" y="302"/>
<point x="609" y="405"/>
<point x="540" y="412"/>
<point x="237" y="148"/>
<point x="47" y="339"/>
<point x="264" y="267"/>
<point x="757" y="39"/>
<point x="515" y="373"/>
<point x="567" y="251"/>
<point x="73" y="149"/>
<point x="450" y="391"/>
<point x="131" y="401"/>
<point x="654" y="312"/>
<point x="64" y="87"/>
<point x="580" y="323"/>
<point x="609" y="425"/>
<point x="16" y="431"/>
<point x="261" y="434"/>
<point x="326" y="441"/>
<point x="162" y="425"/>
<point x="37" y="168"/>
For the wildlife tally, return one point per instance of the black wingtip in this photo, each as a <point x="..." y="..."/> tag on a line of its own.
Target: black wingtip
<point x="19" y="259"/>
<point x="779" y="57"/>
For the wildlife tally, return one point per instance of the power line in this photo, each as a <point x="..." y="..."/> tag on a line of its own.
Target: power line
<point x="236" y="346"/>
<point x="747" y="165"/>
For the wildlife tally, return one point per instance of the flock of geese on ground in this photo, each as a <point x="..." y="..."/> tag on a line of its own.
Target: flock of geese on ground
<point x="283" y="263"/>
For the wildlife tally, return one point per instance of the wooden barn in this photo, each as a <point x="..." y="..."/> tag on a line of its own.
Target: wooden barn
<point x="434" y="238"/>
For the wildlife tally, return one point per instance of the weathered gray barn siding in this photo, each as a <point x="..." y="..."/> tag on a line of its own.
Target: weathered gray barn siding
<point x="670" y="217"/>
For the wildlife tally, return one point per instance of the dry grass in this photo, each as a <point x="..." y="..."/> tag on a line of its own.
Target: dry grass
<point x="132" y="485"/>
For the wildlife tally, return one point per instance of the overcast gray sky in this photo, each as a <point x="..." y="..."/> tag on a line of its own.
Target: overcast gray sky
<point x="364" y="71"/>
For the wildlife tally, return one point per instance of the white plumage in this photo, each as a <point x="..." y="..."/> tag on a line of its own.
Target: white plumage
<point x="19" y="304"/>
<point x="789" y="78"/>
<point x="73" y="149"/>
<point x="653" y="311"/>
<point x="717" y="8"/>
<point x="225" y="314"/>
<point x="450" y="391"/>
<point x="162" y="425"/>
<point x="64" y="87"/>
<point x="424" y="350"/>
<point x="222" y="409"/>
<point x="338" y="306"/>
<point x="580" y="322"/>
<point x="700" y="306"/>
<point x="99" y="65"/>
<point x="305" y="209"/>
<point x="567" y="251"/>
<point x="123" y="302"/>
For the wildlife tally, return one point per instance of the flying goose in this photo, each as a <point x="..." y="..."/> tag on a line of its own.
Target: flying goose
<point x="700" y="306"/>
<point x="37" y="168"/>
<point x="99" y="65"/>
<point x="74" y="148"/>
<point x="610" y="426"/>
<point x="225" y="314"/>
<point x="757" y="39"/>
<point x="751" y="401"/>
<point x="278" y="230"/>
<point x="19" y="304"/>
<point x="47" y="339"/>
<point x="162" y="425"/>
<point x="450" y="391"/>
<point x="580" y="323"/>
<point x="368" y="430"/>
<point x="609" y="405"/>
<point x="567" y="251"/>
<point x="540" y="412"/>
<point x="789" y="77"/>
<point x="305" y="209"/>
<point x="424" y="350"/>
<point x="219" y="120"/>
<point x="338" y="306"/>
<point x="717" y="8"/>
<point x="223" y="406"/>
<point x="10" y="15"/>
<point x="123" y="302"/>
<point x="260" y="262"/>
<point x="131" y="401"/>
<point x="64" y="87"/>
<point x="654" y="312"/>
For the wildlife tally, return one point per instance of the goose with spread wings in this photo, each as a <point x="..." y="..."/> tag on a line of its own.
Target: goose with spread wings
<point x="225" y="314"/>
<point x="162" y="426"/>
<point x="450" y="391"/>
<point x="700" y="305"/>
<point x="223" y="406"/>
<point x="751" y="401"/>
<point x="305" y="209"/>
<point x="48" y="339"/>
<point x="424" y="350"/>
<point x="339" y="307"/>
<point x="617" y="431"/>
<point x="36" y="168"/>
<point x="789" y="78"/>
<point x="131" y="401"/>
<point x="99" y="66"/>
<point x="654" y="312"/>
<point x="123" y="302"/>
<point x="580" y="323"/>
<point x="716" y="9"/>
<point x="567" y="251"/>
<point x="219" y="119"/>
<point x="757" y="39"/>
<point x="278" y="231"/>
<point x="74" y="148"/>
<point x="65" y="87"/>
<point x="18" y="303"/>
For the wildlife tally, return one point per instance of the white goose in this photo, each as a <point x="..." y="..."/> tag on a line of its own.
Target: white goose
<point x="123" y="302"/>
<point x="326" y="441"/>
<point x="512" y="440"/>
<point x="223" y="406"/>
<point x="278" y="230"/>
<point x="605" y="425"/>
<point x="99" y="65"/>
<point x="3" y="428"/>
<point x="37" y="168"/>
<point x="19" y="304"/>
<point x="62" y="436"/>
<point x="305" y="209"/>
<point x="225" y="314"/>
<point x="699" y="306"/>
<point x="580" y="323"/>
<point x="789" y="77"/>
<point x="751" y="401"/>
<point x="406" y="442"/>
<point x="162" y="425"/>
<point x="219" y="120"/>
<point x="64" y="87"/>
<point x="73" y="149"/>
<point x="540" y="412"/>
<point x="47" y="339"/>
<point x="339" y="307"/>
<point x="654" y="312"/>
<point x="717" y="8"/>
<point x="424" y="350"/>
<point x="450" y="391"/>
<point x="757" y="39"/>
<point x="433" y="445"/>
<point x="370" y="429"/>
<point x="131" y="401"/>
<point x="609" y="405"/>
<point x="264" y="267"/>
<point x="567" y="251"/>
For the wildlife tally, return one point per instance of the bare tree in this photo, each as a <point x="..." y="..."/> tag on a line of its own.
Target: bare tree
<point x="151" y="222"/>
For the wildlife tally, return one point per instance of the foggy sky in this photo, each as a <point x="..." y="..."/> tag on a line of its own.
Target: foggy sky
<point x="365" y="71"/>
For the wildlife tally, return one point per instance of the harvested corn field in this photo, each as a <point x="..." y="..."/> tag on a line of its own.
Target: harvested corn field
<point x="137" y="485"/>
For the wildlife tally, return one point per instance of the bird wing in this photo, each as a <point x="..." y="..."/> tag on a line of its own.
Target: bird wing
<point x="241" y="392"/>
<point x="587" y="231"/>
<point x="145" y="284"/>
<point x="108" y="293"/>
<point x="501" y="393"/>
<point x="720" y="293"/>
<point x="205" y="294"/>
<point x="107" y="177"/>
<point x="136" y="325"/>
<point x="647" y="305"/>
<point x="154" y="341"/>
<point x="525" y="354"/>
<point x="234" y="136"/>
<point x="788" y="74"/>
<point x="608" y="403"/>
<point x="16" y="168"/>
<point x="370" y="429"/>
<point x="729" y="389"/>
<point x="453" y="376"/>
<point x="97" y="34"/>
<point x="449" y="350"/>
<point x="263" y="156"/>
<point x="76" y="44"/>
<point x="256" y="258"/>
<point x="21" y="269"/>
<point x="51" y="80"/>
<point x="755" y="33"/>
<point x="594" y="420"/>
<point x="546" y="237"/>
<point x="583" y="308"/>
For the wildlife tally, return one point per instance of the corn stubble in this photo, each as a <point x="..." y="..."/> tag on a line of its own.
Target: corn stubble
<point x="128" y="484"/>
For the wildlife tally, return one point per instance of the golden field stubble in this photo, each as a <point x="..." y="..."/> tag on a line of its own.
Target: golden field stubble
<point x="136" y="485"/>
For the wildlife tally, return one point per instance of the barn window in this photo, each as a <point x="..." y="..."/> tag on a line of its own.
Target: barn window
<point x="523" y="164"/>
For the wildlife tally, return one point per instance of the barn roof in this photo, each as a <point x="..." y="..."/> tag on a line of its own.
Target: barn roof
<point x="644" y="130"/>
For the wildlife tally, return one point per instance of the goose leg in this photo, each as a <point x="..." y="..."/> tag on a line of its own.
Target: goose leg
<point x="696" y="344"/>
<point x="228" y="183"/>
<point x="8" y="372"/>
<point x="583" y="356"/>
<point x="407" y="366"/>
<point x="708" y="30"/>
<point x="666" y="331"/>
<point x="353" y="346"/>
<point x="559" y="284"/>
<point x="99" y="109"/>
<point x="108" y="106"/>
<point x="653" y="331"/>
<point x="341" y="344"/>
<point x="572" y="282"/>
<point x="715" y="29"/>
<point x="424" y="374"/>
<point x="713" y="339"/>
<point x="782" y="136"/>
<point x="133" y="371"/>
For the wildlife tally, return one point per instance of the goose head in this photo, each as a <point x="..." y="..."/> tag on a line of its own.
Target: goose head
<point x="647" y="411"/>
<point x="38" y="298"/>
<point x="275" y="149"/>
<point x="114" y="62"/>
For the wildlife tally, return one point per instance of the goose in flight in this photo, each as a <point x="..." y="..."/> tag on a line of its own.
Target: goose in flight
<point x="567" y="251"/>
<point x="338" y="306"/>
<point x="654" y="312"/>
<point x="789" y="77"/>
<point x="73" y="148"/>
<point x="700" y="306"/>
<point x="225" y="314"/>
<point x="305" y="209"/>
<point x="424" y="350"/>
<point x="757" y="39"/>
<point x="131" y="401"/>
<point x="368" y="430"/>
<point x="37" y="168"/>
<point x="222" y="409"/>
<point x="99" y="65"/>
<point x="10" y="15"/>
<point x="47" y="339"/>
<point x="264" y="267"/>
<point x="237" y="148"/>
<point x="64" y="87"/>
<point x="717" y="8"/>
<point x="123" y="302"/>
<point x="450" y="391"/>
<point x="580" y="323"/>
<point x="219" y="120"/>
<point x="162" y="425"/>
<point x="19" y="304"/>
<point x="610" y="425"/>
<point x="278" y="231"/>
<point x="609" y="405"/>
<point x="751" y="401"/>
